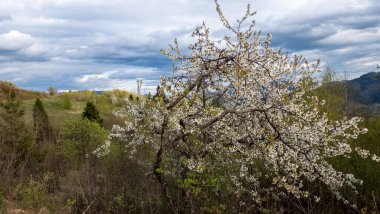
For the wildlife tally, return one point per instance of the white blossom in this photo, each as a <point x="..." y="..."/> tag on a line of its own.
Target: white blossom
<point x="235" y="104"/>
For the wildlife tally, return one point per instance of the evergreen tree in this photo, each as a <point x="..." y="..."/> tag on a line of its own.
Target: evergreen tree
<point x="17" y="151"/>
<point x="12" y="106"/>
<point x="158" y="89"/>
<point x="130" y="97"/>
<point x="91" y="113"/>
<point x="41" y="127"/>
<point x="160" y="94"/>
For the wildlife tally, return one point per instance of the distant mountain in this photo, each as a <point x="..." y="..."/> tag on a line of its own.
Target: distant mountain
<point x="365" y="89"/>
<point x="356" y="97"/>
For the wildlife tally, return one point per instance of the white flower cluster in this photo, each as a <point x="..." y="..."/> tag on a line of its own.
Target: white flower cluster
<point x="238" y="109"/>
<point x="104" y="149"/>
<point x="365" y="154"/>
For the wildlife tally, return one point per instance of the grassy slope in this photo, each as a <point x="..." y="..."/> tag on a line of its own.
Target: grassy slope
<point x="53" y="106"/>
<point x="58" y="115"/>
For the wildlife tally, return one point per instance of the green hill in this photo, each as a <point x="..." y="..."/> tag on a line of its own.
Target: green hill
<point x="54" y="104"/>
<point x="22" y="94"/>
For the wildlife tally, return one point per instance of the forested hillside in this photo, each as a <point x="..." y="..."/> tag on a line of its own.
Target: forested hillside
<point x="365" y="89"/>
<point x="45" y="143"/>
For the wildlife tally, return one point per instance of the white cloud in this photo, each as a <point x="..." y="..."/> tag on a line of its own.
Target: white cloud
<point x="15" y="40"/>
<point x="35" y="50"/>
<point x="92" y="78"/>
<point x="9" y="70"/>
<point x="112" y="79"/>
<point x="24" y="43"/>
<point x="353" y="36"/>
<point x="370" y="61"/>
<point x="48" y="21"/>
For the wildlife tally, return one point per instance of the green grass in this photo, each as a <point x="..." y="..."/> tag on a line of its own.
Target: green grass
<point x="53" y="106"/>
<point x="58" y="115"/>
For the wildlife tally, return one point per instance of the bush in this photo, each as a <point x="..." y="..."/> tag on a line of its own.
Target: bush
<point x="66" y="102"/>
<point x="81" y="138"/>
<point x="32" y="194"/>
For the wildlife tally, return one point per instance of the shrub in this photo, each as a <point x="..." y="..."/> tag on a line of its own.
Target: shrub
<point x="81" y="138"/>
<point x="32" y="194"/>
<point x="66" y="102"/>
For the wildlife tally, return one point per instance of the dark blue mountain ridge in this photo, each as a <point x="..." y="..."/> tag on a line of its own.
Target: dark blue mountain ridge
<point x="365" y="89"/>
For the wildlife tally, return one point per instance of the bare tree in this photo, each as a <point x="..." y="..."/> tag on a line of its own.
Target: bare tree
<point x="52" y="91"/>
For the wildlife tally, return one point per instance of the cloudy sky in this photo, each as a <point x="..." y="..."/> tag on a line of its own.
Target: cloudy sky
<point x="105" y="44"/>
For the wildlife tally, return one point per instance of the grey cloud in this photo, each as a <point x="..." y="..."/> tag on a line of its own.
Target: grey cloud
<point x="135" y="73"/>
<point x="75" y="74"/>
<point x="4" y="18"/>
<point x="72" y="39"/>
<point x="346" y="38"/>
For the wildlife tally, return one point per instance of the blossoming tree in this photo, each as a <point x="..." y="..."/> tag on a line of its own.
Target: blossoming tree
<point x="236" y="119"/>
